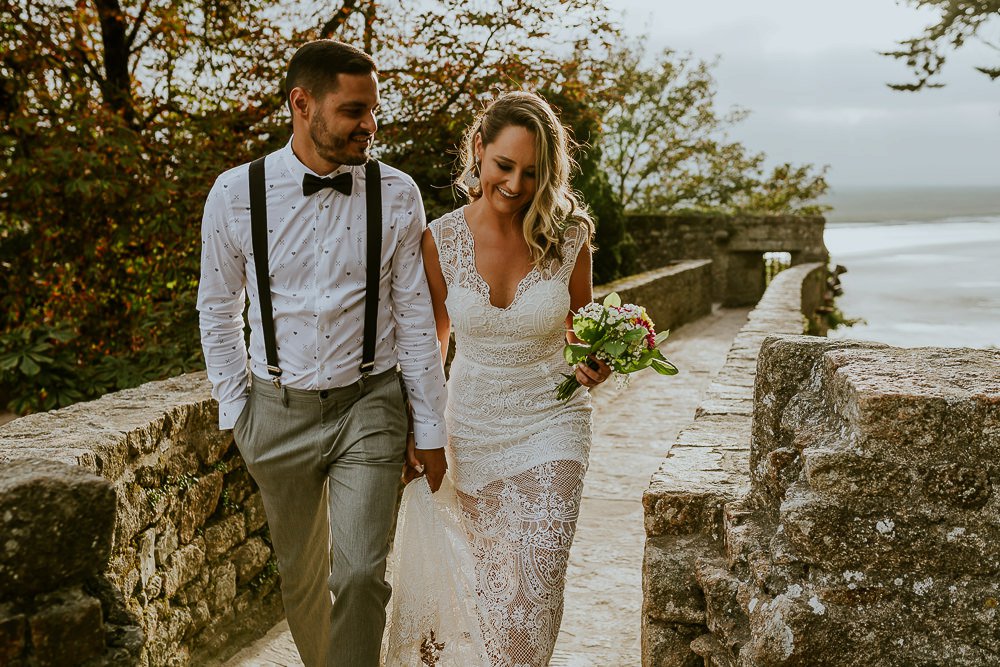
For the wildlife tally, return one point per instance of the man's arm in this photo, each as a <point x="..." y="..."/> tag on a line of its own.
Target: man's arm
<point x="221" y="299"/>
<point x="416" y="337"/>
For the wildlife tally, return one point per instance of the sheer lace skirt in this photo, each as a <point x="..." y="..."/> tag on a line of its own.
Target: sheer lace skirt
<point x="478" y="579"/>
<point x="521" y="529"/>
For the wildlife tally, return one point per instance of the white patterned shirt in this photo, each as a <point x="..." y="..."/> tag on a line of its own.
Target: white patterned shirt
<point x="317" y="256"/>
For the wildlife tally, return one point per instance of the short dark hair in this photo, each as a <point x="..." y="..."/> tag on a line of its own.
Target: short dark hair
<point x="315" y="66"/>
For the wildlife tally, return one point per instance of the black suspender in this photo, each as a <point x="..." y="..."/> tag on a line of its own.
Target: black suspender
<point x="258" y="235"/>
<point x="373" y="201"/>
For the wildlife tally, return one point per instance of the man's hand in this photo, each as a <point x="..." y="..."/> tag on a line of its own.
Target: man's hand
<point x="412" y="468"/>
<point x="434" y="465"/>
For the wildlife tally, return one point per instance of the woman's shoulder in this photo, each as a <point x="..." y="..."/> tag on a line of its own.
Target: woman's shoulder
<point x="575" y="232"/>
<point x="446" y="221"/>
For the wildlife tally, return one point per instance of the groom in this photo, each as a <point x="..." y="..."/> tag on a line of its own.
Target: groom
<point x="319" y="416"/>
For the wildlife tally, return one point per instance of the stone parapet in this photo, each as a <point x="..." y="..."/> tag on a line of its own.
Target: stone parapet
<point x="706" y="468"/>
<point x="132" y="517"/>
<point x="672" y="295"/>
<point x="861" y="527"/>
<point x="869" y="533"/>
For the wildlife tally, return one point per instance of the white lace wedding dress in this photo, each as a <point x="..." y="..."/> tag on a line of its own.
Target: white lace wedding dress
<point x="479" y="567"/>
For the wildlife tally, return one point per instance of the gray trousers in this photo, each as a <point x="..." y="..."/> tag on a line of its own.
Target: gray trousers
<point x="328" y="465"/>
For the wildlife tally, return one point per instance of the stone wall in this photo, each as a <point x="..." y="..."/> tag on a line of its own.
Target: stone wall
<point x="735" y="244"/>
<point x="672" y="295"/>
<point x="708" y="467"/>
<point x="845" y="515"/>
<point x="133" y="533"/>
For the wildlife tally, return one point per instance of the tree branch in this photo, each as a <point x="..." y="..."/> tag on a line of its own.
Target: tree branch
<point x="333" y="26"/>
<point x="139" y="19"/>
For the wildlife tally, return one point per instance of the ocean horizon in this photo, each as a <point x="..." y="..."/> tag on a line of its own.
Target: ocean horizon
<point x="922" y="271"/>
<point x="883" y="204"/>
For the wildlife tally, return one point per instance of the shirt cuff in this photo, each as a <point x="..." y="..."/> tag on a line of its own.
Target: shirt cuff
<point x="431" y="436"/>
<point x="229" y="412"/>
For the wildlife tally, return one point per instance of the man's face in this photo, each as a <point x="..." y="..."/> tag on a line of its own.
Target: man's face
<point x="343" y="125"/>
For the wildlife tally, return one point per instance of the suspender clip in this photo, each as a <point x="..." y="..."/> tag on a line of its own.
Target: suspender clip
<point x="367" y="368"/>
<point x="275" y="376"/>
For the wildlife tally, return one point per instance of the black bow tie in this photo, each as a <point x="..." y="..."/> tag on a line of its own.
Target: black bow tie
<point x="313" y="184"/>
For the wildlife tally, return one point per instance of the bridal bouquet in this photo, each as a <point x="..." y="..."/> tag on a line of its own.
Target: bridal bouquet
<point x="622" y="336"/>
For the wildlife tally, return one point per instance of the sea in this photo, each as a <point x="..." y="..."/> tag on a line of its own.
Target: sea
<point x="923" y="264"/>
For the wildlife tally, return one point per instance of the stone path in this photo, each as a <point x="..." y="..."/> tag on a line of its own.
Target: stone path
<point x="633" y="429"/>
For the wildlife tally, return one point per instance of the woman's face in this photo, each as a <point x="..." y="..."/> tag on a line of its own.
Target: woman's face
<point x="507" y="169"/>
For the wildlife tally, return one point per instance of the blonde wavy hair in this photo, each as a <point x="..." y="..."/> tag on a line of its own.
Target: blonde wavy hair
<point x="555" y="205"/>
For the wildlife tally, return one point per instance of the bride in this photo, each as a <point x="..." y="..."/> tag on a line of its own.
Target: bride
<point x="480" y="568"/>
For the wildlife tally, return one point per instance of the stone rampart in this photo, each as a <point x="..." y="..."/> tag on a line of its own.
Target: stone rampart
<point x="859" y="528"/>
<point x="869" y="533"/>
<point x="132" y="533"/>
<point x="708" y="467"/>
<point x="735" y="244"/>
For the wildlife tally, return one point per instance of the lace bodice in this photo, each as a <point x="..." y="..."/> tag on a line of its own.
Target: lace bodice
<point x="527" y="331"/>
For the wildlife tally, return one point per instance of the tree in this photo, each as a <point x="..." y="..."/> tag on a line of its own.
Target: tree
<point x="577" y="107"/>
<point x="441" y="64"/>
<point x="959" y="21"/>
<point x="115" y="119"/>
<point x="665" y="146"/>
<point x="118" y="114"/>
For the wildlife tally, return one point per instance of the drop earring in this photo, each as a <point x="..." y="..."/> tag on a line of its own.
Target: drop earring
<point x="471" y="179"/>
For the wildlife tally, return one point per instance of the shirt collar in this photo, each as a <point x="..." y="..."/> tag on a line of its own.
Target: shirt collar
<point x="297" y="169"/>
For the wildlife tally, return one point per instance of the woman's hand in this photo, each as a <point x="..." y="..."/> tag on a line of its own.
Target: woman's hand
<point x="592" y="372"/>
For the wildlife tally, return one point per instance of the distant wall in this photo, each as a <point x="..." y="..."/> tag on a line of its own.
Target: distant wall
<point x="707" y="467"/>
<point x="134" y="534"/>
<point x="672" y="295"/>
<point x="735" y="244"/>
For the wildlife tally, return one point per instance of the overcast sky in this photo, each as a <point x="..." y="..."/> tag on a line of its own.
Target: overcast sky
<point x="810" y="73"/>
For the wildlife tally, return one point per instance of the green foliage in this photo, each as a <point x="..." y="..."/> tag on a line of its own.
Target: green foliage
<point x="666" y="148"/>
<point x="958" y="22"/>
<point x="117" y="118"/>
<point x="40" y="362"/>
<point x="441" y="63"/>
<point x="266" y="576"/>
<point x="579" y="109"/>
<point x="105" y="176"/>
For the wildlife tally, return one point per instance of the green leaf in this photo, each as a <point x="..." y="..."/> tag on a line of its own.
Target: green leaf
<point x="662" y="336"/>
<point x="62" y="335"/>
<point x="612" y="300"/>
<point x="39" y="358"/>
<point x="29" y="367"/>
<point x="586" y="329"/>
<point x="635" y="334"/>
<point x="663" y="367"/>
<point x="574" y="353"/>
<point x="614" y="348"/>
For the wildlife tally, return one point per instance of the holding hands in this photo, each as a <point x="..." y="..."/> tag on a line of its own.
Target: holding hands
<point x="419" y="462"/>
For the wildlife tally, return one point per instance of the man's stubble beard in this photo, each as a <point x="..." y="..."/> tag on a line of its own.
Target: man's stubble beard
<point x="334" y="149"/>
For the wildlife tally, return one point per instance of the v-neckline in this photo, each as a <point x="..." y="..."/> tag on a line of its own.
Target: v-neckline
<point x="479" y="276"/>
